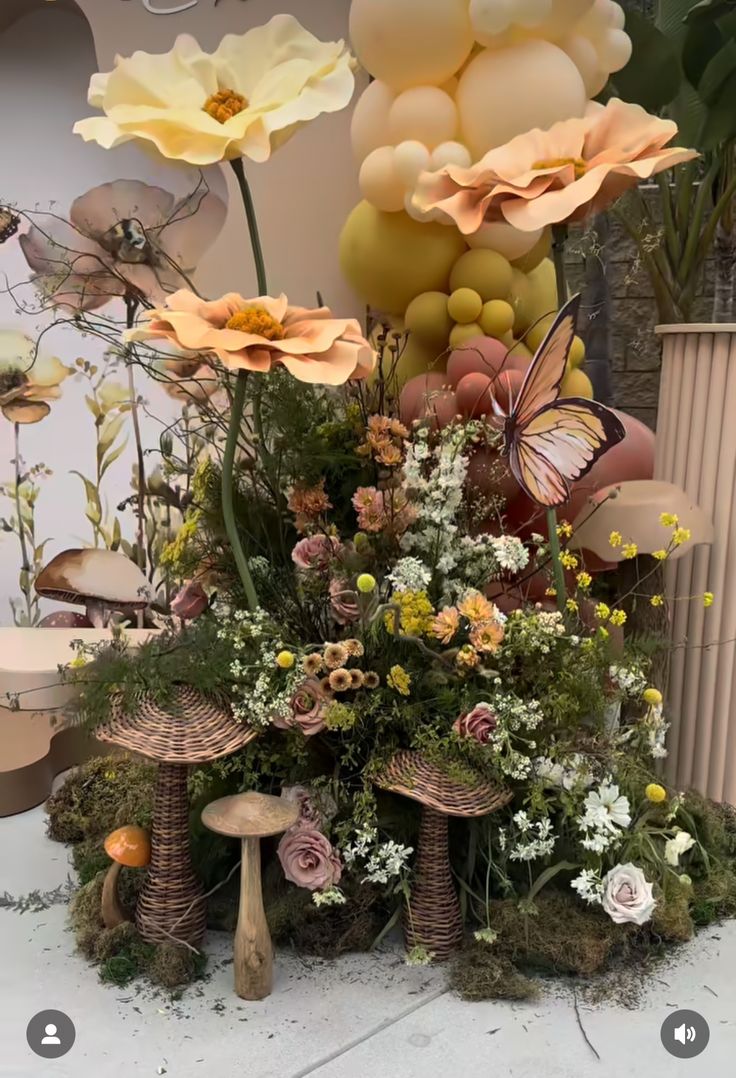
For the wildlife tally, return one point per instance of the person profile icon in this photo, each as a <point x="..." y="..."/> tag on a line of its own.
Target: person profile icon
<point x="50" y="1037"/>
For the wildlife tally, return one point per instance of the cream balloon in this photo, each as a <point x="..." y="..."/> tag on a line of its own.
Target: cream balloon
<point x="450" y="153"/>
<point x="531" y="12"/>
<point x="490" y="17"/>
<point x="508" y="241"/>
<point x="537" y="82"/>
<point x="615" y="51"/>
<point x="424" y="113"/>
<point x="411" y="158"/>
<point x="618" y="17"/>
<point x="411" y="42"/>
<point x="563" y="15"/>
<point x="584" y="55"/>
<point x="379" y="181"/>
<point x="369" y="127"/>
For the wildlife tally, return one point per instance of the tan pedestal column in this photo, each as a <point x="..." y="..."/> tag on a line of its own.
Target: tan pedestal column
<point x="696" y="449"/>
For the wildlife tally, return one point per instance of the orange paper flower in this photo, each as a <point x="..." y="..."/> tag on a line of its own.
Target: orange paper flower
<point x="576" y="168"/>
<point x="256" y="334"/>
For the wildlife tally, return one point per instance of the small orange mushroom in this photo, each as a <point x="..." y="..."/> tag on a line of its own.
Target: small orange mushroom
<point x="130" y="847"/>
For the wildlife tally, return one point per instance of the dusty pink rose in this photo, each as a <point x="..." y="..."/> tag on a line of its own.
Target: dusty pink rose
<point x="315" y="806"/>
<point x="307" y="709"/>
<point x="344" y="602"/>
<point x="309" y="859"/>
<point x="315" y="552"/>
<point x="190" y="601"/>
<point x="478" y="723"/>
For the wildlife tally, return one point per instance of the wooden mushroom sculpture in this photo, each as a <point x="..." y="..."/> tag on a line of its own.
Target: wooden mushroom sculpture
<point x="130" y="847"/>
<point x="433" y="919"/>
<point x="251" y="817"/>
<point x="102" y="581"/>
<point x="192" y="728"/>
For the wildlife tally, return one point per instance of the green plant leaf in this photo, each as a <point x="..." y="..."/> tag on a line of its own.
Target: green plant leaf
<point x="113" y="456"/>
<point x="93" y="406"/>
<point x="720" y="121"/>
<point x="716" y="75"/>
<point x="549" y="873"/>
<point x="116" y="535"/>
<point x="702" y="43"/>
<point x="653" y="75"/>
<point x="109" y="431"/>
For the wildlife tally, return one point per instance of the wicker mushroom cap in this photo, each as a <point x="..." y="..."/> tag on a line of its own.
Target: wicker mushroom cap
<point x="78" y="576"/>
<point x="250" y="815"/>
<point x="411" y="774"/>
<point x="192" y="728"/>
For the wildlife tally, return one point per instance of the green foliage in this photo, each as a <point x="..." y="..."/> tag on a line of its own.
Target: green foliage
<point x="105" y="793"/>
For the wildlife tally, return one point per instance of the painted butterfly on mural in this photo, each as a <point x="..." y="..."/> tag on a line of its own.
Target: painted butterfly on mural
<point x="9" y="224"/>
<point x="550" y="441"/>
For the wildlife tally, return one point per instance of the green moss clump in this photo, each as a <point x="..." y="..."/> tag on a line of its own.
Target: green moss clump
<point x="671" y="919"/>
<point x="173" y="966"/>
<point x="89" y="858"/>
<point x="105" y="793"/>
<point x="327" y="932"/>
<point x="714" y="896"/>
<point x="480" y="972"/>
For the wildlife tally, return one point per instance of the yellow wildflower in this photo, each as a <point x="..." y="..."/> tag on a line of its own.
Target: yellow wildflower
<point x="655" y="793"/>
<point x="680" y="536"/>
<point x="669" y="520"/>
<point x="572" y="606"/>
<point x="416" y="613"/>
<point x="660" y="555"/>
<point x="602" y="612"/>
<point x="603" y="633"/>
<point x="652" y="696"/>
<point x="77" y="662"/>
<point x="584" y="580"/>
<point x="569" y="560"/>
<point x="399" y="680"/>
<point x="615" y="539"/>
<point x="657" y="600"/>
<point x="630" y="550"/>
<point x="551" y="593"/>
<point x="564" y="530"/>
<point x="618" y="617"/>
<point x="708" y="599"/>
<point x="366" y="583"/>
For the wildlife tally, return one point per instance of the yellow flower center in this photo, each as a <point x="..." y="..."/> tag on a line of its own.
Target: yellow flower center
<point x="559" y="162"/>
<point x="225" y="104"/>
<point x="257" y="320"/>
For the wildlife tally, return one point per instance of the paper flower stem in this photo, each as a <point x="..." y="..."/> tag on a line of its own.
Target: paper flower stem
<point x="238" y="403"/>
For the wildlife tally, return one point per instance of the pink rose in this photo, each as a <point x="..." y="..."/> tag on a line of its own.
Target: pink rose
<point x="344" y="602"/>
<point x="309" y="859"/>
<point x="315" y="552"/>
<point x="478" y="723"/>
<point x="190" y="601"/>
<point x="307" y="709"/>
<point x="315" y="806"/>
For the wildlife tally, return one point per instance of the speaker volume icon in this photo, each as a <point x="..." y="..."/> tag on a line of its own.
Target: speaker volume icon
<point x="685" y="1034"/>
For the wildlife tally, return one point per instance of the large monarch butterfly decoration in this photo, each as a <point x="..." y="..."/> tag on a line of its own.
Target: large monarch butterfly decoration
<point x="551" y="442"/>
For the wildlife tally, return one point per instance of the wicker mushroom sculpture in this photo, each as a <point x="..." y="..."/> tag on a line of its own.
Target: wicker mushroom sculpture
<point x="193" y="728"/>
<point x="433" y="919"/>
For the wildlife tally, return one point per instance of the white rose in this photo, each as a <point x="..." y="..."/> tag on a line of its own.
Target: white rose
<point x="675" y="847"/>
<point x="627" y="896"/>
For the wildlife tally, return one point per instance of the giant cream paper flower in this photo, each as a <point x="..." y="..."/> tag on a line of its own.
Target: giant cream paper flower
<point x="244" y="99"/>
<point x="256" y="334"/>
<point x="28" y="378"/>
<point x="576" y="168"/>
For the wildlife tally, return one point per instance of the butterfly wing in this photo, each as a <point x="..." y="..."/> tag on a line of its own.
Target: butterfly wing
<point x="559" y="444"/>
<point x="541" y="386"/>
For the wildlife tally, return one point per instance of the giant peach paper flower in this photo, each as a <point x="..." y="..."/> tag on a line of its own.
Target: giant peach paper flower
<point x="256" y="334"/>
<point x="28" y="378"/>
<point x="244" y="99"/>
<point x="576" y="168"/>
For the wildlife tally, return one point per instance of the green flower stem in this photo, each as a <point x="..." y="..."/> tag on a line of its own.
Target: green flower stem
<point x="559" y="238"/>
<point x="27" y="568"/>
<point x="238" y="402"/>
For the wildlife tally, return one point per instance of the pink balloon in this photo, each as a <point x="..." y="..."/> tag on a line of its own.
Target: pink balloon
<point x="506" y="388"/>
<point x="488" y="474"/>
<point x="474" y="395"/>
<point x="484" y="355"/>
<point x="417" y="395"/>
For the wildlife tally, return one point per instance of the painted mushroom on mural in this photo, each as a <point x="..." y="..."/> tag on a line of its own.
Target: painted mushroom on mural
<point x="104" y="582"/>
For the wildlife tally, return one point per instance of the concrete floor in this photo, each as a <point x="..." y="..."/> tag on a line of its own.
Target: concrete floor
<point x="362" y="1017"/>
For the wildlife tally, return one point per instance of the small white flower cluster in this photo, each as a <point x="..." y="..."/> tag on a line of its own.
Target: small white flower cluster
<point x="510" y="552"/>
<point x="409" y="574"/>
<point x="629" y="680"/>
<point x="435" y="481"/>
<point x="589" y="886"/>
<point x="566" y="775"/>
<point x="333" y="896"/>
<point x="607" y="813"/>
<point x="485" y="935"/>
<point x="538" y="838"/>
<point x="261" y="691"/>
<point x="656" y="727"/>
<point x="538" y="630"/>
<point x="515" y="717"/>
<point x="383" y="861"/>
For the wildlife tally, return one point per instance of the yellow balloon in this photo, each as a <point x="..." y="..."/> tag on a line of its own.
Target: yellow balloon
<point x="418" y="358"/>
<point x="411" y="43"/>
<point x="379" y="181"/>
<point x="497" y="318"/>
<point x="486" y="272"/>
<point x="577" y="353"/>
<point x="577" y="384"/>
<point x="537" y="83"/>
<point x="463" y="333"/>
<point x="520" y="351"/>
<point x="521" y="297"/>
<point x="464" y="305"/>
<point x="540" y="250"/>
<point x="369" y="126"/>
<point x="427" y="319"/>
<point x="543" y="284"/>
<point x="423" y="114"/>
<point x="538" y="332"/>
<point x="389" y="259"/>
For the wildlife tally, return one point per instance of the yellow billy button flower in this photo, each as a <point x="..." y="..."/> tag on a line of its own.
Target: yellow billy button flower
<point x="655" y="793"/>
<point x="657" y="600"/>
<point x="618" y="617"/>
<point x="584" y="580"/>
<point x="652" y="696"/>
<point x="602" y="611"/>
<point x="660" y="555"/>
<point x="366" y="583"/>
<point x="630" y="550"/>
<point x="615" y="539"/>
<point x="708" y="599"/>
<point x="669" y="520"/>
<point x="680" y="536"/>
<point x="285" y="660"/>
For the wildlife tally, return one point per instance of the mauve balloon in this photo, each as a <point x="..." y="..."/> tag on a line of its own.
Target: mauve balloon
<point x="417" y="395"/>
<point x="474" y="395"/>
<point x="488" y="473"/>
<point x="483" y="355"/>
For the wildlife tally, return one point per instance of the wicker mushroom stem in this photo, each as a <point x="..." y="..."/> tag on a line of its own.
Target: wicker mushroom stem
<point x="171" y="905"/>
<point x="432" y="918"/>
